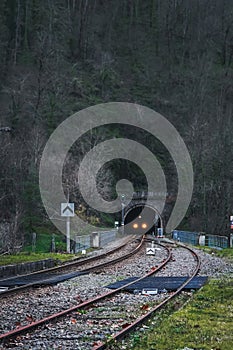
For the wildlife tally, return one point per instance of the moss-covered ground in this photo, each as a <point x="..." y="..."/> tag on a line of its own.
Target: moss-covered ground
<point x="204" y="323"/>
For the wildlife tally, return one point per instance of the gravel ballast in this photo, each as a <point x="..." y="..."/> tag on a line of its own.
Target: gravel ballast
<point x="70" y="333"/>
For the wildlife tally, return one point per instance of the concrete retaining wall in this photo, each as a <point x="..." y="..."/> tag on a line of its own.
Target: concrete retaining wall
<point x="24" y="268"/>
<point x="95" y="240"/>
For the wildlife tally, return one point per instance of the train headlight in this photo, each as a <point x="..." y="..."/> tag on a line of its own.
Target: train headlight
<point x="135" y="226"/>
<point x="144" y="225"/>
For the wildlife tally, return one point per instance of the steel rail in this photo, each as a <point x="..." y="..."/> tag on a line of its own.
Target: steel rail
<point x="145" y="317"/>
<point x="70" y="265"/>
<point x="35" y="324"/>
<point x="76" y="261"/>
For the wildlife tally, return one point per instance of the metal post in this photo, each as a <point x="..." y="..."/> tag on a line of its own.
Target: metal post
<point x="33" y="242"/>
<point x="75" y="245"/>
<point x="231" y="240"/>
<point x="122" y="214"/>
<point x="68" y="234"/>
<point x="122" y="211"/>
<point x="53" y="244"/>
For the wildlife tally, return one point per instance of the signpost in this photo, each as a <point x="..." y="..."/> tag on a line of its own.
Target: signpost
<point x="150" y="250"/>
<point x="122" y="211"/>
<point x="67" y="210"/>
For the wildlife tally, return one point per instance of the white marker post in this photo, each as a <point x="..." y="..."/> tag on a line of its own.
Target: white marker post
<point x="68" y="234"/>
<point x="67" y="210"/>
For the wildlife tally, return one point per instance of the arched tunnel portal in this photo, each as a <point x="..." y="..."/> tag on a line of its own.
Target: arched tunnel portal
<point x="142" y="219"/>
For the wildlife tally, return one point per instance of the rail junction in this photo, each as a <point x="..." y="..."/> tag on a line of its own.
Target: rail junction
<point x="85" y="313"/>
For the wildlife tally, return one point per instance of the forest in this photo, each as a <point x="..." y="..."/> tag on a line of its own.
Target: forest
<point x="58" y="57"/>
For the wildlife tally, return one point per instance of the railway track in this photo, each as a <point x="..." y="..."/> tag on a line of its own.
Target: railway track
<point x="15" y="306"/>
<point x="93" y="312"/>
<point x="79" y="266"/>
<point x="131" y="327"/>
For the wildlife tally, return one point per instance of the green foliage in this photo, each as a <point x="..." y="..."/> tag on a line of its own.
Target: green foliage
<point x="43" y="240"/>
<point x="32" y="202"/>
<point x="107" y="219"/>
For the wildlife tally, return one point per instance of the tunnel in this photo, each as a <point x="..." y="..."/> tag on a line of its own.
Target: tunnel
<point x="141" y="219"/>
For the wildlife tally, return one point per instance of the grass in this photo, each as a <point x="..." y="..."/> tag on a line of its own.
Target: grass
<point x="44" y="240"/>
<point x="41" y="250"/>
<point x="204" y="323"/>
<point x="30" y="257"/>
<point x="222" y="253"/>
<point x="226" y="253"/>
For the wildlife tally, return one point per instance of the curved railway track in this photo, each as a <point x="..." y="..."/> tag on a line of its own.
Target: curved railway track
<point x="93" y="303"/>
<point x="120" y="335"/>
<point x="27" y="294"/>
<point x="39" y="278"/>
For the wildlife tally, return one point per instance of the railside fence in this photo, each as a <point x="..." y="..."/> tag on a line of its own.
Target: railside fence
<point x="200" y="238"/>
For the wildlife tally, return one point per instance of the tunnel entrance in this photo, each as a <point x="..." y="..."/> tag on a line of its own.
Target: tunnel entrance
<point x="142" y="219"/>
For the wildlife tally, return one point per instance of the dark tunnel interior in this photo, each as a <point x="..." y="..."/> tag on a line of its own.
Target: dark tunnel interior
<point x="141" y="219"/>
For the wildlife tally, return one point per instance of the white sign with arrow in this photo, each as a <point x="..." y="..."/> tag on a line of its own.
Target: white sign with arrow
<point x="67" y="209"/>
<point x="150" y="251"/>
